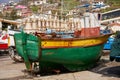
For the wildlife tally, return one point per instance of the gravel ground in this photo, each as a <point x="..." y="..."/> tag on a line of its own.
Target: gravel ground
<point x="104" y="70"/>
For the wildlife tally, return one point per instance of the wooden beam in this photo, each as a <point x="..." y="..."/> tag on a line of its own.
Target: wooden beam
<point x="9" y="21"/>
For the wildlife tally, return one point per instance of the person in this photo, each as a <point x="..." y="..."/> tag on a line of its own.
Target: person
<point x="48" y="31"/>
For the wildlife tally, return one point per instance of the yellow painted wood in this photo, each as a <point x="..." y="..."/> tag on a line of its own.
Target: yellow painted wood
<point x="74" y="42"/>
<point x="8" y="41"/>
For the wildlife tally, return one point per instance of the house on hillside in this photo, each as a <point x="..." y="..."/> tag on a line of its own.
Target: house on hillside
<point x="23" y="11"/>
<point x="115" y="26"/>
<point x="12" y="3"/>
<point x="1" y="8"/>
<point x="7" y="10"/>
<point x="37" y="2"/>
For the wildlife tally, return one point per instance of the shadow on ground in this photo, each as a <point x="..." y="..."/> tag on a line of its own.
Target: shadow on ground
<point x="107" y="68"/>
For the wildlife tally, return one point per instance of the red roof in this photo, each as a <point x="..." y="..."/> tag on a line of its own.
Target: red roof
<point x="113" y="24"/>
<point x="20" y="7"/>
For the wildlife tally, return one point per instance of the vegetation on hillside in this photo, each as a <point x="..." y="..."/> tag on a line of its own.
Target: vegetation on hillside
<point x="34" y="8"/>
<point x="70" y="4"/>
<point x="64" y="5"/>
<point x="11" y="15"/>
<point x="114" y="4"/>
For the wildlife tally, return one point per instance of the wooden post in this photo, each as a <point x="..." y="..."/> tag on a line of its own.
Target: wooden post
<point x="0" y="25"/>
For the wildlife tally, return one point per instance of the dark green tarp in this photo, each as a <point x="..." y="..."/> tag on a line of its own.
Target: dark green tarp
<point x="115" y="49"/>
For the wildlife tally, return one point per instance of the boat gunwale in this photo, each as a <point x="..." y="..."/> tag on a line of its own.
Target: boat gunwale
<point x="48" y="47"/>
<point x="79" y="38"/>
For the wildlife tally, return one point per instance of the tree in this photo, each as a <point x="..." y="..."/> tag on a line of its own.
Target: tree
<point x="34" y="8"/>
<point x="13" y="14"/>
<point x="1" y="15"/>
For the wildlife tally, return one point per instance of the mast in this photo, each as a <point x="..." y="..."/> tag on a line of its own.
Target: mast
<point x="61" y="8"/>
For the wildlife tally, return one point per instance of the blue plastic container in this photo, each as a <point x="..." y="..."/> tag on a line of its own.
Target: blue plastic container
<point x="107" y="45"/>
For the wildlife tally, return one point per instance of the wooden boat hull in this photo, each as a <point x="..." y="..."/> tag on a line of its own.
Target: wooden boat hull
<point x="73" y="58"/>
<point x="73" y="54"/>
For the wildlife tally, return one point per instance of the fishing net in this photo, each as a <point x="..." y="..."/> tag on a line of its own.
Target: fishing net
<point x="115" y="49"/>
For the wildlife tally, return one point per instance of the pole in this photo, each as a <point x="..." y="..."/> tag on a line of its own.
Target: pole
<point x="61" y="7"/>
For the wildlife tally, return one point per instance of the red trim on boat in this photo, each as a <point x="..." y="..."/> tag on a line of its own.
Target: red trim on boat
<point x="4" y="46"/>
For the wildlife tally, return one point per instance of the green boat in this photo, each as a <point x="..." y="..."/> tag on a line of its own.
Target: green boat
<point x="74" y="54"/>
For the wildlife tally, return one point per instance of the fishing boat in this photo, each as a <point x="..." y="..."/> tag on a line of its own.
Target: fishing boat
<point x="3" y="46"/>
<point x="75" y="51"/>
<point x="3" y="41"/>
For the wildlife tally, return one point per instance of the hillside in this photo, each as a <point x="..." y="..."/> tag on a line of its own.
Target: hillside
<point x="114" y="4"/>
<point x="6" y="1"/>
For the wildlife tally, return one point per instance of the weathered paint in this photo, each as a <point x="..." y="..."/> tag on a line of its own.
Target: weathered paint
<point x="74" y="54"/>
<point x="72" y="58"/>
<point x="60" y="43"/>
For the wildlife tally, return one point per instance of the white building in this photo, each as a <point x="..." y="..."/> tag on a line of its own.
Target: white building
<point x="38" y="2"/>
<point x="115" y="27"/>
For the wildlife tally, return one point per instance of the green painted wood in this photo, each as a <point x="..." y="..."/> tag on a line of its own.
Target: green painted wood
<point x="33" y="47"/>
<point x="77" y="58"/>
<point x="73" y="59"/>
<point x="20" y="41"/>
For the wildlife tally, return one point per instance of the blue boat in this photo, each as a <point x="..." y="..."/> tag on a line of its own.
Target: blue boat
<point x="108" y="44"/>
